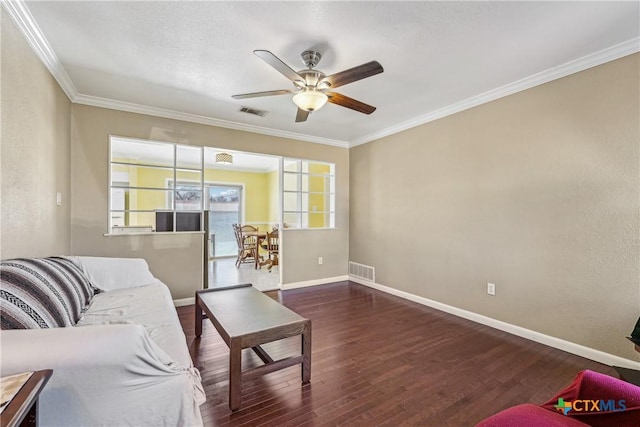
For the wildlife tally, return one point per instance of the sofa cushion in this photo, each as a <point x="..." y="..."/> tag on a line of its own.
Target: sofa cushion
<point x="150" y="306"/>
<point x="42" y="293"/>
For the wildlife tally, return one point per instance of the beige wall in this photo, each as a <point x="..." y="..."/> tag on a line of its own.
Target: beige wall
<point x="34" y="153"/>
<point x="537" y="192"/>
<point x="177" y="260"/>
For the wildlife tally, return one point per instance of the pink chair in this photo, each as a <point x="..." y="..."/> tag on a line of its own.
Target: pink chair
<point x="618" y="406"/>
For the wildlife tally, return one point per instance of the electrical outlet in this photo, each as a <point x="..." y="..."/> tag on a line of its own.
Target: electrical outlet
<point x="320" y="260"/>
<point x="491" y="289"/>
<point x="59" y="199"/>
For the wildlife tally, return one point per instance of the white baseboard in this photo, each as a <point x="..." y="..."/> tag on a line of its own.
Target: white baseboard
<point x="184" y="301"/>
<point x="570" y="347"/>
<point x="316" y="282"/>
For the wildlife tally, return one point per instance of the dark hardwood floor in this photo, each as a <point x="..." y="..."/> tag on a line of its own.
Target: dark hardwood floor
<point x="379" y="360"/>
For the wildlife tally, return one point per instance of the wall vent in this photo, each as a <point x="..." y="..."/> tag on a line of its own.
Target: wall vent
<point x="253" y="111"/>
<point x="362" y="271"/>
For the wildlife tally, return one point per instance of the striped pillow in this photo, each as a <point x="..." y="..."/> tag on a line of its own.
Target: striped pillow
<point x="42" y="293"/>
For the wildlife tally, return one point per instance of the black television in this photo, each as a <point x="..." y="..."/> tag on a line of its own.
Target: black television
<point x="185" y="221"/>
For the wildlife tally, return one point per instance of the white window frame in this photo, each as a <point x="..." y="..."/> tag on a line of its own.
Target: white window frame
<point x="134" y="230"/>
<point x="303" y="212"/>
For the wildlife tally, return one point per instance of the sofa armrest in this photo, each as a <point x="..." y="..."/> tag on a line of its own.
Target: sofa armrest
<point x="99" y="347"/>
<point x="104" y="375"/>
<point x="108" y="274"/>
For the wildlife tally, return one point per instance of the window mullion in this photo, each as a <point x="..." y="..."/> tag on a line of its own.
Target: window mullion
<point x="175" y="187"/>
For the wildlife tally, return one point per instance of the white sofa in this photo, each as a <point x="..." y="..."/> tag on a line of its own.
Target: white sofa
<point x="125" y="362"/>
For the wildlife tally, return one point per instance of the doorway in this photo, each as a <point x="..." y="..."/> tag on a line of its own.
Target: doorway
<point x="239" y="188"/>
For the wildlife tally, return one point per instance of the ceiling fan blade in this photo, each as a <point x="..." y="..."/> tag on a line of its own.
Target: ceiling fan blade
<point x="354" y="74"/>
<point x="277" y="63"/>
<point x="258" y="94"/>
<point x="345" y="101"/>
<point x="302" y="115"/>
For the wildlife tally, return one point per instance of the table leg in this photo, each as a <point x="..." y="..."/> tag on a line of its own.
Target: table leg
<point x="235" y="375"/>
<point x="33" y="416"/>
<point x="257" y="254"/>
<point x="306" y="354"/>
<point x="198" y="317"/>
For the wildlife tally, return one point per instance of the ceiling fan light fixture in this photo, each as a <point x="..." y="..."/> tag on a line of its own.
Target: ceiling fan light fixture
<point x="311" y="85"/>
<point x="310" y="100"/>
<point x="224" y="158"/>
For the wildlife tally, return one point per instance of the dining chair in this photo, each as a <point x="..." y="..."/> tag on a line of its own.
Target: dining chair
<point x="247" y="240"/>
<point x="271" y="246"/>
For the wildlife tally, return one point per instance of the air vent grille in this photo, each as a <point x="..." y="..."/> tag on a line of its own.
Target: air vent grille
<point x="362" y="271"/>
<point x="253" y="111"/>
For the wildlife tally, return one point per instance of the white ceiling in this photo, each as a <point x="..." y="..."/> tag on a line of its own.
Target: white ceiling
<point x="186" y="59"/>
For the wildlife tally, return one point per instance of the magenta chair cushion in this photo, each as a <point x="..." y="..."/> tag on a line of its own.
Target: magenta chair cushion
<point x="529" y="415"/>
<point x="594" y="386"/>
<point x="590" y="388"/>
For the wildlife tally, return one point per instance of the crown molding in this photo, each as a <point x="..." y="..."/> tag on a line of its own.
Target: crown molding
<point x="24" y="20"/>
<point x="606" y="55"/>
<point x="96" y="101"/>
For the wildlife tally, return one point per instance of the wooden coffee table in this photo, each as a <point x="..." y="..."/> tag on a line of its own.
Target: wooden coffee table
<point x="246" y="318"/>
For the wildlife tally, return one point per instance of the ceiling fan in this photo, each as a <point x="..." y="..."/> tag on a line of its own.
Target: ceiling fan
<point x="312" y="87"/>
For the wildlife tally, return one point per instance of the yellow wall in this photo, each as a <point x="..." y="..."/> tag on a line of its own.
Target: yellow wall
<point x="256" y="196"/>
<point x="318" y="195"/>
<point x="259" y="194"/>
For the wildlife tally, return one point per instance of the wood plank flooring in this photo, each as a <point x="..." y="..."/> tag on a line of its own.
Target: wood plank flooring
<point x="379" y="360"/>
